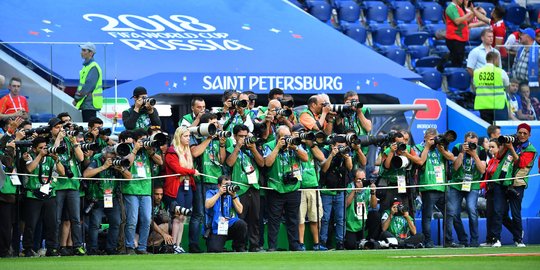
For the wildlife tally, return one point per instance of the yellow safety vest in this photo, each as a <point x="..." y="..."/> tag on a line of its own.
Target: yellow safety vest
<point x="490" y="94"/>
<point x="97" y="93"/>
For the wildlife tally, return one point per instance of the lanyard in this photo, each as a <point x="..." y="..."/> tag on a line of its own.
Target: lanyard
<point x="13" y="102"/>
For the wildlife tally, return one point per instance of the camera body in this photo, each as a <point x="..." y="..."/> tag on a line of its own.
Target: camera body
<point x="401" y="209"/>
<point x="283" y="112"/>
<point x="175" y="209"/>
<point x="292" y="140"/>
<point x="235" y="102"/>
<point x="290" y="179"/>
<point x="344" y="150"/>
<point x="472" y="146"/>
<point x="121" y="162"/>
<point x="149" y="101"/>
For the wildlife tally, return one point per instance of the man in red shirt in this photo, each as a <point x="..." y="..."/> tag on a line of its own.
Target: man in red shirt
<point x="457" y="31"/>
<point x="13" y="104"/>
<point x="499" y="30"/>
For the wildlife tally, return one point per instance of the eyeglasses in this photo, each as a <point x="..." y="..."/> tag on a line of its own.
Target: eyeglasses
<point x="360" y="179"/>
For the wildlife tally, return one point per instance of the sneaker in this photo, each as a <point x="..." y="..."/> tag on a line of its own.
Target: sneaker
<point x="429" y="245"/>
<point x="474" y="244"/>
<point x="257" y="249"/>
<point x="486" y="244"/>
<point x="79" y="251"/>
<point x="130" y="251"/>
<point x="271" y="250"/>
<point x="52" y="252"/>
<point x="302" y="247"/>
<point x="496" y="244"/>
<point x="141" y="252"/>
<point x="65" y="251"/>
<point x="520" y="244"/>
<point x="340" y="246"/>
<point x="319" y="247"/>
<point x="29" y="253"/>
<point x="453" y="245"/>
<point x="178" y="249"/>
<point x="194" y="248"/>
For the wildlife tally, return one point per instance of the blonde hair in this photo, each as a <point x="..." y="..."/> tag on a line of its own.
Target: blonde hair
<point x="183" y="151"/>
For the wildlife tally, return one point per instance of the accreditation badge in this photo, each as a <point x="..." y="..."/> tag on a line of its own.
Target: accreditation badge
<point x="46" y="189"/>
<point x="361" y="213"/>
<point x="296" y="172"/>
<point x="439" y="175"/>
<point x="223" y="226"/>
<point x="108" y="199"/>
<point x="141" y="171"/>
<point x="466" y="186"/>
<point x="251" y="175"/>
<point x="402" y="184"/>
<point x="15" y="180"/>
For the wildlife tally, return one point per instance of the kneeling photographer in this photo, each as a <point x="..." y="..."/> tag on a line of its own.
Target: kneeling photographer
<point x="103" y="196"/>
<point x="222" y="207"/>
<point x="362" y="214"/>
<point x="396" y="223"/>
<point x="335" y="174"/>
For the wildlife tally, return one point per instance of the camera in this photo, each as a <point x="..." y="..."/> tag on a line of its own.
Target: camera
<point x="251" y="139"/>
<point x="89" y="146"/>
<point x="174" y="208"/>
<point x="72" y="133"/>
<point x="401" y="209"/>
<point x="122" y="149"/>
<point x="511" y="192"/>
<point x="25" y="143"/>
<point x="223" y="134"/>
<point x="283" y="112"/>
<point x="252" y="97"/>
<point x="286" y="103"/>
<point x="239" y="103"/>
<point x="290" y="179"/>
<point x="379" y="140"/>
<point x="356" y="104"/>
<point x="105" y="131"/>
<point x="90" y="206"/>
<point x="401" y="146"/>
<point x="232" y="188"/>
<point x="446" y="138"/>
<point x="344" y="150"/>
<point x="472" y="146"/>
<point x="400" y="162"/>
<point x="69" y="172"/>
<point x="507" y="139"/>
<point x="120" y="162"/>
<point x="342" y="109"/>
<point x="156" y="140"/>
<point x="39" y="130"/>
<point x="57" y="150"/>
<point x="310" y="136"/>
<point x="292" y="141"/>
<point x="203" y="130"/>
<point x="151" y="101"/>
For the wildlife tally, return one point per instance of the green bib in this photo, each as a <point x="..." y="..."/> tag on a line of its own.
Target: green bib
<point x="467" y="171"/>
<point x="283" y="164"/>
<point x="354" y="211"/>
<point x="97" y="188"/>
<point x="243" y="166"/>
<point x="391" y="175"/>
<point x="210" y="163"/>
<point x="34" y="181"/>
<point x="69" y="183"/>
<point x="398" y="225"/>
<point x="140" y="169"/>
<point x="310" y="175"/>
<point x="357" y="127"/>
<point x="433" y="172"/>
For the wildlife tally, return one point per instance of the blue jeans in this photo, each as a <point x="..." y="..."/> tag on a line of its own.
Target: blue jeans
<point x="96" y="216"/>
<point x="453" y="215"/>
<point x="332" y="203"/>
<point x="138" y="207"/>
<point x="72" y="200"/>
<point x="197" y="217"/>
<point x="429" y="199"/>
<point x="514" y="224"/>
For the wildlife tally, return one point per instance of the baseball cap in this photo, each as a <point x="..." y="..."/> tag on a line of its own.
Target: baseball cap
<point x="396" y="201"/>
<point x="529" y="32"/>
<point x="298" y="127"/>
<point x="88" y="46"/>
<point x="54" y="121"/>
<point x="139" y="90"/>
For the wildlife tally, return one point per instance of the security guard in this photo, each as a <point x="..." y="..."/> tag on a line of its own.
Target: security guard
<point x="89" y="98"/>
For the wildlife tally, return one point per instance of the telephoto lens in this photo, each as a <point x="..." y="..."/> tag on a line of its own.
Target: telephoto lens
<point x="89" y="146"/>
<point x="232" y="188"/>
<point x="72" y="133"/>
<point x="472" y="146"/>
<point x="310" y="136"/>
<point x="292" y="141"/>
<point x="239" y="103"/>
<point x="344" y="150"/>
<point x="251" y="139"/>
<point x="182" y="211"/>
<point x="356" y="104"/>
<point x="57" y="150"/>
<point x="121" y="162"/>
<point x="150" y="101"/>
<point x="224" y="134"/>
<point x="284" y="112"/>
<point x="506" y="139"/>
<point x="401" y="147"/>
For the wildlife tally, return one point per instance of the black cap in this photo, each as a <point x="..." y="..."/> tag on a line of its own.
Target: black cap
<point x="298" y="127"/>
<point x="396" y="201"/>
<point x="139" y="91"/>
<point x="54" y="121"/>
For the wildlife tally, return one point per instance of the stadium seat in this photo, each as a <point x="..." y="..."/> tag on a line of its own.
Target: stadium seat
<point x="416" y="52"/>
<point x="432" y="78"/>
<point x="475" y="35"/>
<point x="320" y="9"/>
<point x="440" y="50"/>
<point x="356" y="32"/>
<point x="488" y="7"/>
<point x="431" y="13"/>
<point x="434" y="27"/>
<point x="458" y="80"/>
<point x="396" y="54"/>
<point x="384" y="38"/>
<point x="404" y="12"/>
<point x="41" y="117"/>
<point x="348" y="11"/>
<point x="532" y="10"/>
<point x="468" y="49"/>
<point x="428" y="61"/>
<point x="407" y="28"/>
<point x="376" y="14"/>
<point x="515" y="15"/>
<point x="300" y="4"/>
<point x="418" y="38"/>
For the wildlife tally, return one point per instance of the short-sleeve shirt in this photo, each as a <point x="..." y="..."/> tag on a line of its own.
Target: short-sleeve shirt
<point x="9" y="104"/>
<point x="499" y="33"/>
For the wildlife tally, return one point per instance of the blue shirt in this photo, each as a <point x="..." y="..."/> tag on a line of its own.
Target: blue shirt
<point x="214" y="213"/>
<point x="477" y="57"/>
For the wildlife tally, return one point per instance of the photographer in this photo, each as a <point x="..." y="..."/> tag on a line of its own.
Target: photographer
<point x="283" y="158"/>
<point x="67" y="189"/>
<point x="273" y="118"/>
<point x="396" y="223"/>
<point x="275" y="93"/>
<point x="222" y="205"/>
<point x="209" y="155"/>
<point x="245" y="160"/>
<point x="102" y="194"/>
<point x="396" y="176"/>
<point x="516" y="160"/>
<point x="40" y="196"/>
<point x="161" y="219"/>
<point x="314" y="117"/>
<point x="469" y="165"/>
<point x="8" y="193"/>
<point x="137" y="193"/>
<point x="198" y="108"/>
<point x="142" y="114"/>
<point x="98" y="135"/>
<point x="358" y="121"/>
<point x="228" y="110"/>
<point x="335" y="174"/>
<point x="310" y="200"/>
<point x="432" y="171"/>
<point x="361" y="211"/>
<point x="241" y="115"/>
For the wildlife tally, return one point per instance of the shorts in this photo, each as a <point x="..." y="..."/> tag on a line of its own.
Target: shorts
<point x="308" y="206"/>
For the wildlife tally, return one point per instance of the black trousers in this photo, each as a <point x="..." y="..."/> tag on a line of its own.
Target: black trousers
<point x="457" y="52"/>
<point x="34" y="209"/>
<point x="88" y="114"/>
<point x="6" y="223"/>
<point x="411" y="241"/>
<point x="277" y="204"/>
<point x="251" y="201"/>
<point x="237" y="232"/>
<point x="373" y="228"/>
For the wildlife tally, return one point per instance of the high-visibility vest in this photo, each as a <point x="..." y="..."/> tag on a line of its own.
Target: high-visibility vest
<point x="490" y="94"/>
<point x="97" y="93"/>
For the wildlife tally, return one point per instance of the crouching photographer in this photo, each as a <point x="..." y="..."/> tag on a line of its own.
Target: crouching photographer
<point x="397" y="224"/>
<point x="362" y="214"/>
<point x="103" y="196"/>
<point x="222" y="207"/>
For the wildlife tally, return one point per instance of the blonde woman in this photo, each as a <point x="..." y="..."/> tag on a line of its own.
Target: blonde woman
<point x="178" y="189"/>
